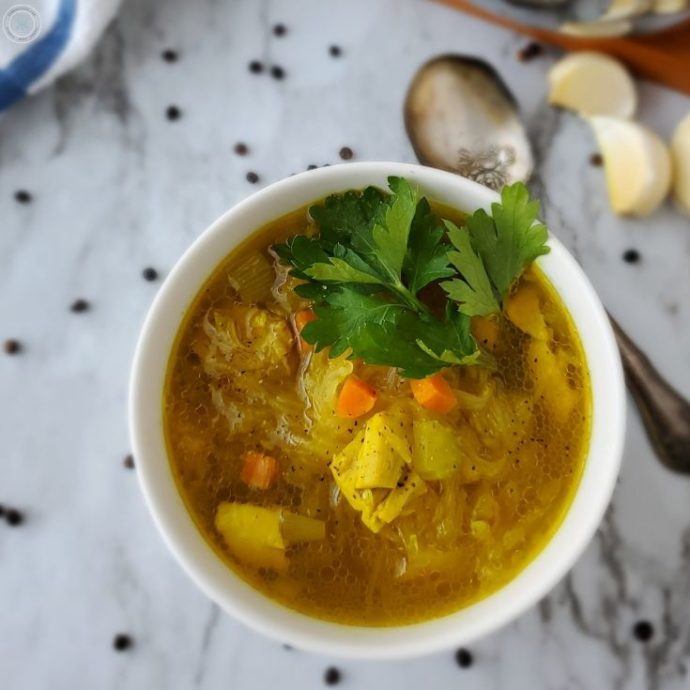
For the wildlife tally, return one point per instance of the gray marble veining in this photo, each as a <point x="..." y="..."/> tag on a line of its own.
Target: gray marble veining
<point x="117" y="187"/>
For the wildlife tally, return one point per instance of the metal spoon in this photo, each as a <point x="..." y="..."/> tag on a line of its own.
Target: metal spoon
<point x="460" y="116"/>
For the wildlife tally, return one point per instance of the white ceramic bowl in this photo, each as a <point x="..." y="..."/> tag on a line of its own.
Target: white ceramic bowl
<point x="252" y="607"/>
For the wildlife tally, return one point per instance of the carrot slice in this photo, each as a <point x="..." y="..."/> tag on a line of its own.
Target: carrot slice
<point x="434" y="393"/>
<point x="356" y="398"/>
<point x="302" y="318"/>
<point x="259" y="470"/>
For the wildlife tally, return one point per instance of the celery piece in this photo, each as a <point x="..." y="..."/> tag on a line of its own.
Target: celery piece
<point x="300" y="528"/>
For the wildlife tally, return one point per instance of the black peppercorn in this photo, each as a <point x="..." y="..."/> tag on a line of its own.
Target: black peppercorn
<point x="631" y="256"/>
<point x="169" y="55"/>
<point x="121" y="642"/>
<point x="463" y="658"/>
<point x="252" y="177"/>
<point x="150" y="274"/>
<point x="22" y="196"/>
<point x="335" y="51"/>
<point x="277" y="72"/>
<point x="596" y="160"/>
<point x="279" y="30"/>
<point x="128" y="462"/>
<point x="332" y="676"/>
<point x="14" y="517"/>
<point x="12" y="346"/>
<point x="173" y="113"/>
<point x="79" y="305"/>
<point x="241" y="149"/>
<point x="643" y="631"/>
<point x="256" y="67"/>
<point x="530" y="51"/>
<point x="346" y="153"/>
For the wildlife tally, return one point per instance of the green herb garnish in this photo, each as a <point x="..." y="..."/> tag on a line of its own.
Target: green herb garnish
<point x="493" y="250"/>
<point x="373" y="255"/>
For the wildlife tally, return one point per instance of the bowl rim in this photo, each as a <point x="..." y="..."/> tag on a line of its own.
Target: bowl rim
<point x="220" y="583"/>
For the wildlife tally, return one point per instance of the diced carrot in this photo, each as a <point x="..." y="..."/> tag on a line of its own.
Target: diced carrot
<point x="434" y="393"/>
<point x="259" y="470"/>
<point x="302" y="318"/>
<point x="356" y="398"/>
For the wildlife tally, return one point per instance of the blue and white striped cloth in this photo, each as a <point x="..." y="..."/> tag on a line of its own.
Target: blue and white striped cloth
<point x="42" y="39"/>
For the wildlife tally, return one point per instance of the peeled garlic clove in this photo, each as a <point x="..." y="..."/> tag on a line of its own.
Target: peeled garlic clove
<point x="669" y="6"/>
<point x="592" y="84"/>
<point x="622" y="9"/>
<point x="680" y="152"/>
<point x="637" y="165"/>
<point x="597" y="29"/>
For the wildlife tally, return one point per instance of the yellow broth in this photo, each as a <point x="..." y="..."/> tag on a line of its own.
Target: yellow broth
<point x="523" y="430"/>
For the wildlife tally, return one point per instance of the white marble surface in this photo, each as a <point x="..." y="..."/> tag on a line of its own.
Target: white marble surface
<point x="118" y="187"/>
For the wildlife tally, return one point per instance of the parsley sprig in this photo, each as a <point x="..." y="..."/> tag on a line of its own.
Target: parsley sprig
<point x="491" y="251"/>
<point x="375" y="252"/>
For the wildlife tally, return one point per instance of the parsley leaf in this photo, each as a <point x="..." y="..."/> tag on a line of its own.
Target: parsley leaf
<point x="341" y="271"/>
<point x="342" y="314"/>
<point x="492" y="251"/>
<point x="449" y="341"/>
<point x="474" y="292"/>
<point x="342" y="216"/>
<point x="386" y="333"/>
<point x="427" y="258"/>
<point x="512" y="239"/>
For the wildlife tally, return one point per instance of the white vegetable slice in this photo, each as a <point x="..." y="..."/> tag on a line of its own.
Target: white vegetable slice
<point x="680" y="151"/>
<point x="622" y="9"/>
<point x="669" y="6"/>
<point x="598" y="29"/>
<point x="592" y="84"/>
<point x="637" y="164"/>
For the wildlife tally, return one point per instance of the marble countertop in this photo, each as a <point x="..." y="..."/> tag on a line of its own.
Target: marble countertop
<point x="115" y="186"/>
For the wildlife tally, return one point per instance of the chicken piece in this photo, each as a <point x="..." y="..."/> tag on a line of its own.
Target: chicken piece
<point x="246" y="338"/>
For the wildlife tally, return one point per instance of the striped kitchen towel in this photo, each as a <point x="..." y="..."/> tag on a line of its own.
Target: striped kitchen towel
<point x="42" y="39"/>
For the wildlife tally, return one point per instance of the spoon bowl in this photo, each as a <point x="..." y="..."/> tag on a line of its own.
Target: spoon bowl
<point x="461" y="117"/>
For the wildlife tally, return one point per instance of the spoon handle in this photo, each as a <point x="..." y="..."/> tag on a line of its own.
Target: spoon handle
<point x="665" y="413"/>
